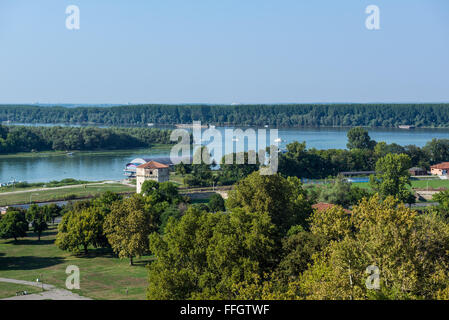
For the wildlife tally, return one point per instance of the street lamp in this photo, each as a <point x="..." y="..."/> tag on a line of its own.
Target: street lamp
<point x="33" y="194"/>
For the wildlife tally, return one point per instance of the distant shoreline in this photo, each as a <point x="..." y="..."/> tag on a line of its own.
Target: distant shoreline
<point x="376" y="115"/>
<point x="217" y="125"/>
<point x="50" y="153"/>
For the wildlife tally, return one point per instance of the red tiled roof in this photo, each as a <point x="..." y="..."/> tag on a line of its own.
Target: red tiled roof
<point x="325" y="206"/>
<point x="322" y="206"/>
<point x="443" y="165"/>
<point x="152" y="165"/>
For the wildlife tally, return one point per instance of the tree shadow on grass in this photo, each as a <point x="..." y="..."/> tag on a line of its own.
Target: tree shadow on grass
<point x="143" y="263"/>
<point x="28" y="242"/>
<point x="46" y="233"/>
<point x="97" y="252"/>
<point x="28" y="262"/>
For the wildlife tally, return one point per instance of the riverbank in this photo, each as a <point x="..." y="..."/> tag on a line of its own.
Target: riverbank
<point x="40" y="154"/>
<point x="24" y="186"/>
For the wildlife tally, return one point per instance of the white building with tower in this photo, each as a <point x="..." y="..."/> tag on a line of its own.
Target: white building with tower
<point x="151" y="170"/>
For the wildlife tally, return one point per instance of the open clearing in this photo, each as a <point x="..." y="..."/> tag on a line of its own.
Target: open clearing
<point x="102" y="276"/>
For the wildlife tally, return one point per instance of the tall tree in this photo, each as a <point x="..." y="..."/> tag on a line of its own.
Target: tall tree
<point x="38" y="217"/>
<point x="407" y="251"/>
<point x="203" y="255"/>
<point x="358" y="138"/>
<point x="392" y="177"/>
<point x="284" y="200"/>
<point x="13" y="225"/>
<point x="438" y="150"/>
<point x="216" y="203"/>
<point x="128" y="226"/>
<point x="81" y="229"/>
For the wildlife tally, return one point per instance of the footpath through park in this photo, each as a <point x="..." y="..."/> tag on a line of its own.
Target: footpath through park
<point x="50" y="293"/>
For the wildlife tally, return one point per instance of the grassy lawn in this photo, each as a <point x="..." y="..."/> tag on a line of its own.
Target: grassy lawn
<point x="418" y="184"/>
<point x="437" y="183"/>
<point x="63" y="194"/>
<point x="102" y="275"/>
<point x="177" y="179"/>
<point x="9" y="289"/>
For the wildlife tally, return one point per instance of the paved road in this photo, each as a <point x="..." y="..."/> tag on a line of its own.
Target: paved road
<point x="51" y="293"/>
<point x="424" y="204"/>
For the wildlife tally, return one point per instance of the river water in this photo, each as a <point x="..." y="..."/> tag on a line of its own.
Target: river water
<point x="110" y="165"/>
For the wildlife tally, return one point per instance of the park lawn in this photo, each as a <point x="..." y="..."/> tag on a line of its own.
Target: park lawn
<point x="102" y="276"/>
<point x="416" y="184"/>
<point x="8" y="290"/>
<point x="433" y="184"/>
<point x="177" y="179"/>
<point x="89" y="190"/>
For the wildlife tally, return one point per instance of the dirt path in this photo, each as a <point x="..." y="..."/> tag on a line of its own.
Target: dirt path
<point x="50" y="293"/>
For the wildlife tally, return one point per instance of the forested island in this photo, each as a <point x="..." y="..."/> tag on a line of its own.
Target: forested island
<point x="280" y="115"/>
<point x="26" y="139"/>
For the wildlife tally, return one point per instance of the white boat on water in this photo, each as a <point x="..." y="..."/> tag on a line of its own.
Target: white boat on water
<point x="278" y="140"/>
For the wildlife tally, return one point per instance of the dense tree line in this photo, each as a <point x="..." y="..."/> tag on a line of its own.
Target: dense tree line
<point x="289" y="115"/>
<point x="121" y="224"/>
<point x="25" y="139"/>
<point x="297" y="160"/>
<point x="271" y="245"/>
<point x="362" y="155"/>
<point x="15" y="223"/>
<point x="267" y="243"/>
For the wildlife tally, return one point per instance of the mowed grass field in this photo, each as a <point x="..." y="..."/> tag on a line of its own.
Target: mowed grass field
<point x="102" y="276"/>
<point x="416" y="184"/>
<point x="63" y="193"/>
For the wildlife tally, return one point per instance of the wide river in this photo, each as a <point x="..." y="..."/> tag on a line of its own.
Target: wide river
<point x="110" y="165"/>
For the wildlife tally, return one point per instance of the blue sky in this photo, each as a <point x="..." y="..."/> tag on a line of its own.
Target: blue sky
<point x="224" y="51"/>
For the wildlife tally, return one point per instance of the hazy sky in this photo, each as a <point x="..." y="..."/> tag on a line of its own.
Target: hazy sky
<point x="223" y="51"/>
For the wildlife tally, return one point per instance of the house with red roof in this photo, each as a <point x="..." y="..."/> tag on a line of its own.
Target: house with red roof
<point x="151" y="170"/>
<point x="440" y="169"/>
<point x="322" y="206"/>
